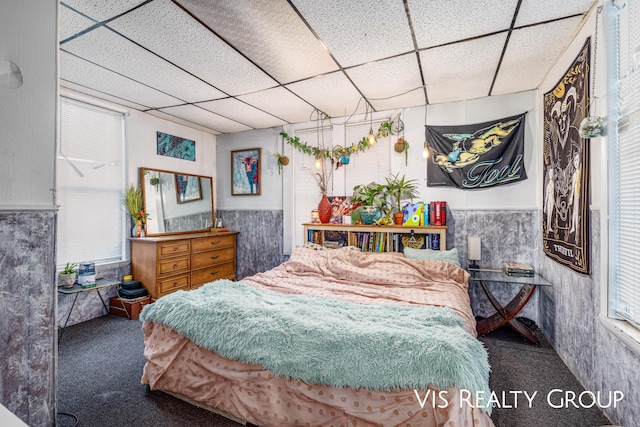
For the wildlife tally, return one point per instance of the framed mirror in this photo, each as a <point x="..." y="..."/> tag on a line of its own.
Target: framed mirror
<point x="176" y="202"/>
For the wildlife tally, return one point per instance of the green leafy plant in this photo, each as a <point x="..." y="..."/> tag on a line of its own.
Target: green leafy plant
<point x="398" y="190"/>
<point x="69" y="269"/>
<point x="282" y="161"/>
<point x="366" y="196"/>
<point x="132" y="200"/>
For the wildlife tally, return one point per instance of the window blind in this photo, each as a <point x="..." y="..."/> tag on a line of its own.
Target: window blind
<point x="370" y="165"/>
<point x="363" y="168"/>
<point x="625" y="179"/>
<point x="89" y="182"/>
<point x="306" y="190"/>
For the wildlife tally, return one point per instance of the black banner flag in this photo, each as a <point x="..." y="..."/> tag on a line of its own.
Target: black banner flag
<point x="477" y="156"/>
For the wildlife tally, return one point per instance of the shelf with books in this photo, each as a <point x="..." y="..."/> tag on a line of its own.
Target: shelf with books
<point x="371" y="238"/>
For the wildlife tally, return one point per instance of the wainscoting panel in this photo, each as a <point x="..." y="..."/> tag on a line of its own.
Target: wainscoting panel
<point x="506" y="236"/>
<point x="259" y="239"/>
<point x="27" y="326"/>
<point x="88" y="305"/>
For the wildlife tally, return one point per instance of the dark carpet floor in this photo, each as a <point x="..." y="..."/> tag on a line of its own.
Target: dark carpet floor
<point x="100" y="364"/>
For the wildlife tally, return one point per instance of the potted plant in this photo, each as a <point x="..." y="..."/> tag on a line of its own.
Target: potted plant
<point x="371" y="202"/>
<point x="398" y="190"/>
<point x="68" y="275"/>
<point x="132" y="201"/>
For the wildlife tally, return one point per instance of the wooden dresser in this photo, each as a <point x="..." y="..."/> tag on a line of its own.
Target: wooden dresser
<point x="165" y="264"/>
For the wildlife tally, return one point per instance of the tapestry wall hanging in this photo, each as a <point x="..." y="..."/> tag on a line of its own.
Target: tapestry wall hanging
<point x="174" y="146"/>
<point x="477" y="156"/>
<point x="245" y="172"/>
<point x="565" y="213"/>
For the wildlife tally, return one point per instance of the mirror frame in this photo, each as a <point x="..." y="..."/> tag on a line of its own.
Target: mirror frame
<point x="144" y="199"/>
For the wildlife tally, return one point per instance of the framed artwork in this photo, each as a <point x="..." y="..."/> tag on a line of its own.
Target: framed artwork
<point x="245" y="172"/>
<point x="188" y="188"/>
<point x="174" y="146"/>
<point x="566" y="231"/>
<point x="340" y="206"/>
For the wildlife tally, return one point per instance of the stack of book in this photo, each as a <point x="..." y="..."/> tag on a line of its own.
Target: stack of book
<point x="516" y="269"/>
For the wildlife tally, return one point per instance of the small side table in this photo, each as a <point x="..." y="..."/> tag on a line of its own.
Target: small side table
<point x="507" y="314"/>
<point x="77" y="290"/>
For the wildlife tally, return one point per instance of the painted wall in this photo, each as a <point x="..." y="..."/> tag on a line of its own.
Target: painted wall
<point x="258" y="219"/>
<point x="571" y="309"/>
<point x="270" y="197"/>
<point x="141" y="146"/>
<point x="28" y="37"/>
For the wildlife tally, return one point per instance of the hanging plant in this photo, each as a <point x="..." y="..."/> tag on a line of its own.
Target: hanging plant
<point x="282" y="161"/>
<point x="402" y="146"/>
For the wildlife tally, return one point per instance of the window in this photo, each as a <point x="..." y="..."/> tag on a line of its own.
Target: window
<point x="371" y="165"/>
<point x="624" y="174"/>
<point x="89" y="182"/>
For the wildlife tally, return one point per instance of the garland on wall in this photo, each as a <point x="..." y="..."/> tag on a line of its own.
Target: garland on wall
<point x="385" y="129"/>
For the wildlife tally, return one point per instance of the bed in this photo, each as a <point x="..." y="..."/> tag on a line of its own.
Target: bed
<point x="328" y="338"/>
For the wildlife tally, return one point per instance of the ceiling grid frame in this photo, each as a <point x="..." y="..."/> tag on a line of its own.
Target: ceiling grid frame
<point x="528" y="14"/>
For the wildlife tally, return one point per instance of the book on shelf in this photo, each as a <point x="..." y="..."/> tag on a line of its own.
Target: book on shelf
<point x="518" y="269"/>
<point x="437" y="213"/>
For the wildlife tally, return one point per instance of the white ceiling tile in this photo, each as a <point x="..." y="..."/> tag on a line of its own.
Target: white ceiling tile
<point x="439" y="22"/>
<point x="89" y="75"/>
<point x="281" y="103"/>
<point x="72" y="23"/>
<point x="279" y="41"/>
<point x="101" y="95"/>
<point x="193" y="47"/>
<point x="241" y="112"/>
<point x="356" y="32"/>
<point x="461" y="70"/>
<point x="533" y="11"/>
<point x="387" y="78"/>
<point x="180" y="121"/>
<point x="106" y="48"/>
<point x="101" y="10"/>
<point x="205" y="118"/>
<point x="530" y="54"/>
<point x="411" y="99"/>
<point x="331" y="93"/>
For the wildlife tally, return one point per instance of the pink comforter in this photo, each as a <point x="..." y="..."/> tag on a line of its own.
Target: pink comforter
<point x="371" y="278"/>
<point x="253" y="394"/>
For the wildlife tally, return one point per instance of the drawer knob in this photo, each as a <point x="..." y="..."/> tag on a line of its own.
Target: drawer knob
<point x="175" y="265"/>
<point x="175" y="284"/>
<point x="175" y="249"/>
<point x="215" y="257"/>
<point x="213" y="273"/>
<point x="216" y="242"/>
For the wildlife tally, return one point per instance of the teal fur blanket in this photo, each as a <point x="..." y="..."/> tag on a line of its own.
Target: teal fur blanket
<point x="328" y="341"/>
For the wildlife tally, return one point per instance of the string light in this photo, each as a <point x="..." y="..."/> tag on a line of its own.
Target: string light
<point x="425" y="150"/>
<point x="372" y="138"/>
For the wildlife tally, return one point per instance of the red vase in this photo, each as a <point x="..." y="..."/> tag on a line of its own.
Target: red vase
<point x="324" y="210"/>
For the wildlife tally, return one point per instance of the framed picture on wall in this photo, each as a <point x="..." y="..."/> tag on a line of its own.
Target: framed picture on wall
<point x="188" y="188"/>
<point x="245" y="172"/>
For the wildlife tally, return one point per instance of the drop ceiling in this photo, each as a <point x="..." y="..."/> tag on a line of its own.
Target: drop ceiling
<point x="232" y="65"/>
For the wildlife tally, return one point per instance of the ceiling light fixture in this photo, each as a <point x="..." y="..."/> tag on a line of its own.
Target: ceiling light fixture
<point x="372" y="137"/>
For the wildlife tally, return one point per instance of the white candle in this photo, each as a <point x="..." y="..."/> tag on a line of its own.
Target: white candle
<point x="473" y="248"/>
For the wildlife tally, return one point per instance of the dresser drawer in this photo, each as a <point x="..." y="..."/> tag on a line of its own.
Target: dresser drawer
<point x="173" y="265"/>
<point x="214" y="242"/>
<point x="172" y="284"/>
<point x="178" y="247"/>
<point x="209" y="274"/>
<point x="209" y="258"/>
